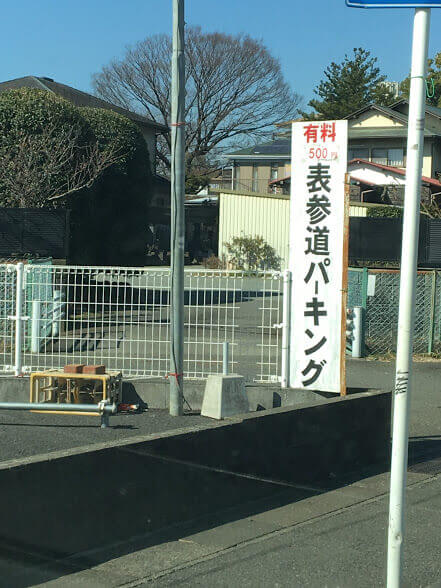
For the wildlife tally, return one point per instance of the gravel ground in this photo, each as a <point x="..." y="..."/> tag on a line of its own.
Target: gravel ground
<point x="23" y="434"/>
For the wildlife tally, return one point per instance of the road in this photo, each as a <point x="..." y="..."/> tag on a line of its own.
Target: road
<point x="283" y="536"/>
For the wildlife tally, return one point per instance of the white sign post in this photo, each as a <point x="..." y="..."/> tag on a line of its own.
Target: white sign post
<point x="316" y="257"/>
<point x="406" y="318"/>
<point x="409" y="252"/>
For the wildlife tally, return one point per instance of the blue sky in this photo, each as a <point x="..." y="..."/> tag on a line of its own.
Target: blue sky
<point x="69" y="41"/>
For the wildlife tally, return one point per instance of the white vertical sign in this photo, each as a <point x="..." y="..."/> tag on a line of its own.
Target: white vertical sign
<point x="317" y="216"/>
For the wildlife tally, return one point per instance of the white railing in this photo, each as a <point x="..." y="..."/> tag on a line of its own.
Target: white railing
<point x="120" y="317"/>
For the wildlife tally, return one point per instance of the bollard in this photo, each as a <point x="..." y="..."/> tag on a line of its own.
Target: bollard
<point x="357" y="334"/>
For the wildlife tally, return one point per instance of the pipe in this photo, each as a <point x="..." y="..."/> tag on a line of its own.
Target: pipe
<point x="102" y="409"/>
<point x="286" y="318"/>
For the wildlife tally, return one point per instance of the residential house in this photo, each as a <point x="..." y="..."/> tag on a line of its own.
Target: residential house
<point x="149" y="128"/>
<point x="258" y="204"/>
<point x="255" y="167"/>
<point x="376" y="135"/>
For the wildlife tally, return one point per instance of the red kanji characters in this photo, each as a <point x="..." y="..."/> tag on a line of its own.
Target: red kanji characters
<point x="327" y="131"/>
<point x="311" y="133"/>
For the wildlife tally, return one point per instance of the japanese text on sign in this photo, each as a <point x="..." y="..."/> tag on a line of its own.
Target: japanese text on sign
<point x="316" y="253"/>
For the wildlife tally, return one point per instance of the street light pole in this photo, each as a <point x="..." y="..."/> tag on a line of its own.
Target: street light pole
<point x="177" y="211"/>
<point x="408" y="274"/>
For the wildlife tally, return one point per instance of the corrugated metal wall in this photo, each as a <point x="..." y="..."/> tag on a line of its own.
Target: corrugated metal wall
<point x="265" y="216"/>
<point x="355" y="210"/>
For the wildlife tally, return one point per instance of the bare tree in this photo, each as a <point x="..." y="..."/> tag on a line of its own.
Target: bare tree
<point x="46" y="167"/>
<point x="235" y="90"/>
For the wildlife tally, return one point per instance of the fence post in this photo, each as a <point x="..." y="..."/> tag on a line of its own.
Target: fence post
<point x="57" y="312"/>
<point x="225" y="358"/>
<point x="19" y="320"/>
<point x="364" y="287"/>
<point x="35" y="326"/>
<point x="432" y="314"/>
<point x="286" y="322"/>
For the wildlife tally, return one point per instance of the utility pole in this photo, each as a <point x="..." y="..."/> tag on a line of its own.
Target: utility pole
<point x="177" y="211"/>
<point x="406" y="318"/>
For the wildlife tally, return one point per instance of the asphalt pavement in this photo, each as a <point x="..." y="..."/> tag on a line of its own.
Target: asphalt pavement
<point x="23" y="434"/>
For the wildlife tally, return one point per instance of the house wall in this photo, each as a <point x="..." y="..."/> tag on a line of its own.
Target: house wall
<point x="244" y="175"/>
<point x="377" y="144"/>
<point x="428" y="166"/>
<point x="436" y="163"/>
<point x="373" y="119"/>
<point x="427" y="158"/>
<point x="150" y="139"/>
<point x="432" y="122"/>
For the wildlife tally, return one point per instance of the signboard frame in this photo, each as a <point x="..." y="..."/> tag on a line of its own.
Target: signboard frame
<point x="319" y="223"/>
<point x="393" y="4"/>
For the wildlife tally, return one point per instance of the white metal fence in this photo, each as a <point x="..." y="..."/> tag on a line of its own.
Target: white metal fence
<point x="120" y="317"/>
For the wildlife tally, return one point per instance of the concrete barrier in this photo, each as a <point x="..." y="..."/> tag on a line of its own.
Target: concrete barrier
<point x="154" y="392"/>
<point x="69" y="503"/>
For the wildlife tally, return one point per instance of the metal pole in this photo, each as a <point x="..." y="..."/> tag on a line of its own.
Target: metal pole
<point x="415" y="144"/>
<point x="177" y="211"/>
<point x="286" y="322"/>
<point x="225" y="358"/>
<point x="19" y="320"/>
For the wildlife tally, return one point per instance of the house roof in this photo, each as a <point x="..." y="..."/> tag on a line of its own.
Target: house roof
<point x="384" y="132"/>
<point x="276" y="148"/>
<point x="389" y="112"/>
<point x="433" y="110"/>
<point x="388" y="168"/>
<point x="279" y="181"/>
<point x="394" y="170"/>
<point x="78" y="98"/>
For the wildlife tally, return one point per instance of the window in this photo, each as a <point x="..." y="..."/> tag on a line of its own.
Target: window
<point x="274" y="174"/>
<point x="358" y="153"/>
<point x="396" y="157"/>
<point x="379" y="156"/>
<point x="393" y="157"/>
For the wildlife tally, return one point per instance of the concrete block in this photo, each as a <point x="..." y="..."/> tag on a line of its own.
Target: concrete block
<point x="224" y="396"/>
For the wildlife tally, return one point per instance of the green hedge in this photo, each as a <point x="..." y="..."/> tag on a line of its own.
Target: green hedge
<point x="385" y="212"/>
<point x="124" y="191"/>
<point x="110" y="219"/>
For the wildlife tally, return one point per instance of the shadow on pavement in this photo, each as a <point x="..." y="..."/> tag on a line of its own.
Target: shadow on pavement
<point x="63" y="515"/>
